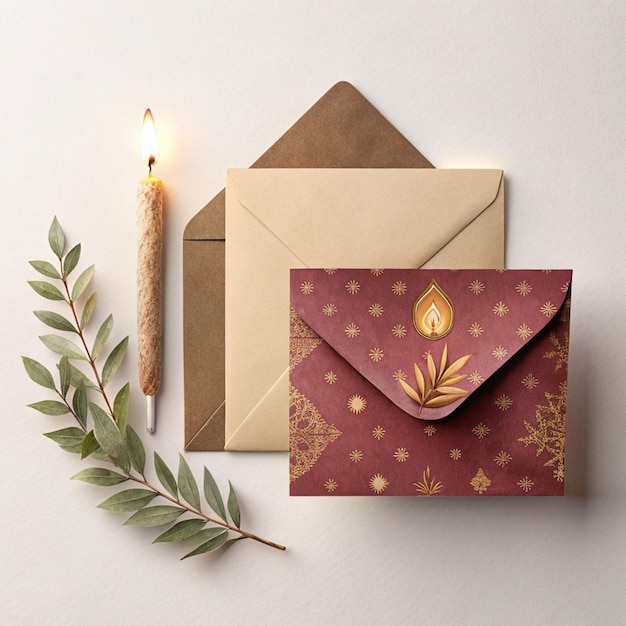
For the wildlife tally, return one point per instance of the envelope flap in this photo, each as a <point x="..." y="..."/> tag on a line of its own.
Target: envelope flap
<point x="426" y="339"/>
<point x="434" y="205"/>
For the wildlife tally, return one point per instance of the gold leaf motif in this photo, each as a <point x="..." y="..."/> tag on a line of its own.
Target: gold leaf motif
<point x="480" y="482"/>
<point x="428" y="486"/>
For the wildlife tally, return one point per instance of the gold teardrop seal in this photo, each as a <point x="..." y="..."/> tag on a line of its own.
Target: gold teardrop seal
<point x="433" y="312"/>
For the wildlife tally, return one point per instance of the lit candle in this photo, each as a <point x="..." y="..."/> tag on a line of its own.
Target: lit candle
<point x="150" y="237"/>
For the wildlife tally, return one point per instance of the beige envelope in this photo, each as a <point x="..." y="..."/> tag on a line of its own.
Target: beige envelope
<point x="277" y="219"/>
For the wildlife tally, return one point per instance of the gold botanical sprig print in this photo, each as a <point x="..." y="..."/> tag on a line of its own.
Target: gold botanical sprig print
<point x="81" y="387"/>
<point x="428" y="486"/>
<point x="436" y="388"/>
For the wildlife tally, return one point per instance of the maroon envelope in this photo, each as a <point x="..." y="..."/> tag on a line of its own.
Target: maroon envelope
<point x="428" y="382"/>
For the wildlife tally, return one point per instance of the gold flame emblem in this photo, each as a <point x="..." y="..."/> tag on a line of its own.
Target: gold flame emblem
<point x="433" y="312"/>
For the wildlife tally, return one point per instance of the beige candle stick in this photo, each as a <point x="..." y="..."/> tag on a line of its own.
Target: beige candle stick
<point x="149" y="252"/>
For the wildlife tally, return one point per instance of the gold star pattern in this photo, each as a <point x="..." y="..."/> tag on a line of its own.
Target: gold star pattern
<point x="475" y="378"/>
<point x="455" y="454"/>
<point x="352" y="287"/>
<point x="330" y="270"/>
<point x="525" y="484"/>
<point x="307" y="288"/>
<point x="503" y="402"/>
<point x="376" y="354"/>
<point x="399" y="331"/>
<point x="357" y="404"/>
<point x="352" y="330"/>
<point x="502" y="458"/>
<point x="378" y="432"/>
<point x="548" y="309"/>
<point x="356" y="456"/>
<point x="378" y="483"/>
<point x="377" y="272"/>
<point x="330" y="485"/>
<point x="500" y="352"/>
<point x="329" y="309"/>
<point x="476" y="287"/>
<point x="330" y="377"/>
<point x="475" y="330"/>
<point x="399" y="288"/>
<point x="430" y="430"/>
<point x="524" y="332"/>
<point x="500" y="309"/>
<point x="376" y="310"/>
<point x="523" y="288"/>
<point x="481" y="430"/>
<point x="529" y="381"/>
<point x="401" y="455"/>
<point x="399" y="375"/>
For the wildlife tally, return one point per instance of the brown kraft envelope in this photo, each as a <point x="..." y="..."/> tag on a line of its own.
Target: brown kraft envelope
<point x="342" y="129"/>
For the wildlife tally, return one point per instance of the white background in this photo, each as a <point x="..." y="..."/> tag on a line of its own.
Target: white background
<point x="535" y="88"/>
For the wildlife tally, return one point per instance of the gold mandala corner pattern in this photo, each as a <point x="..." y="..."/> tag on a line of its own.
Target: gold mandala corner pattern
<point x="303" y="340"/>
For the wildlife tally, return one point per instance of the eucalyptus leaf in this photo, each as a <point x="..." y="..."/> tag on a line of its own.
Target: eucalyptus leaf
<point x="71" y="260"/>
<point x="109" y="437"/>
<point x="81" y="283"/>
<point x="56" y="238"/>
<point x="233" y="506"/>
<point x="89" y="446"/>
<point x="63" y="346"/>
<point x="136" y="451"/>
<point x="46" y="290"/>
<point x="38" y="373"/>
<point x="101" y="337"/>
<point x="187" y="484"/>
<point x="181" y="531"/>
<point x="213" y="495"/>
<point x="128" y="500"/>
<point x="154" y="516"/>
<point x="210" y="546"/>
<point x="120" y="406"/>
<point x="114" y="360"/>
<point x="88" y="309"/>
<point x="65" y="375"/>
<point x="54" y="320"/>
<point x="80" y="403"/>
<point x="69" y="439"/>
<point x="100" y="476"/>
<point x="165" y="476"/>
<point x="50" y="407"/>
<point x="79" y="378"/>
<point x="45" y="268"/>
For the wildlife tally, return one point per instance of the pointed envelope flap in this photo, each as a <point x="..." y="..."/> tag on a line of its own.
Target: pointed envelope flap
<point x="427" y="339"/>
<point x="437" y="204"/>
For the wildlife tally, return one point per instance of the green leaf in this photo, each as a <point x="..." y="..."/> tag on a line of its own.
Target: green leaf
<point x="101" y="337"/>
<point x="65" y="375"/>
<point x="56" y="238"/>
<point x="136" y="450"/>
<point x="69" y="439"/>
<point x="50" y="407"/>
<point x="128" y="500"/>
<point x="81" y="283"/>
<point x="114" y="361"/>
<point x="88" y="309"/>
<point x="181" y="531"/>
<point x="45" y="268"/>
<point x="212" y="494"/>
<point x="165" y="476"/>
<point x="120" y="406"/>
<point x="187" y="484"/>
<point x="154" y="516"/>
<point x="46" y="290"/>
<point x="233" y="506"/>
<point x="80" y="404"/>
<point x="63" y="346"/>
<point x="71" y="260"/>
<point x="90" y="445"/>
<point x="79" y="378"/>
<point x="38" y="373"/>
<point x="54" y="320"/>
<point x="109" y="437"/>
<point x="210" y="546"/>
<point x="100" y="476"/>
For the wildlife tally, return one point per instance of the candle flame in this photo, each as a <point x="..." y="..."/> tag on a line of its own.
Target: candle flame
<point x="149" y="144"/>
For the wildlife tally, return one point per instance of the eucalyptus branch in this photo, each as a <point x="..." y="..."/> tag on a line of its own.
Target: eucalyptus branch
<point x="112" y="440"/>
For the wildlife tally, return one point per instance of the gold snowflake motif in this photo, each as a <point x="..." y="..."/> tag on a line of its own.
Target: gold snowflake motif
<point x="548" y="309"/>
<point x="565" y="286"/>
<point x="500" y="352"/>
<point x="525" y="484"/>
<point x="481" y="430"/>
<point x="376" y="354"/>
<point x="529" y="381"/>
<point x="547" y="271"/>
<point x="524" y="332"/>
<point x="475" y="378"/>
<point x="480" y="482"/>
<point x="307" y="288"/>
<point x="401" y="455"/>
<point x="500" y="270"/>
<point x="502" y="458"/>
<point x="399" y="375"/>
<point x="356" y="456"/>
<point x="352" y="330"/>
<point x="475" y="330"/>
<point x="377" y="271"/>
<point x="476" y="287"/>
<point x="357" y="404"/>
<point x="560" y="352"/>
<point x="523" y="288"/>
<point x="330" y="485"/>
<point x="352" y="287"/>
<point x="428" y="486"/>
<point x="503" y="402"/>
<point x="329" y="309"/>
<point x="378" y="483"/>
<point x="330" y="377"/>
<point x="500" y="309"/>
<point x="330" y="270"/>
<point x="430" y="430"/>
<point x="376" y="310"/>
<point x="399" y="331"/>
<point x="378" y="432"/>
<point x="399" y="288"/>
<point x="426" y="355"/>
<point x="548" y="433"/>
<point x="455" y="454"/>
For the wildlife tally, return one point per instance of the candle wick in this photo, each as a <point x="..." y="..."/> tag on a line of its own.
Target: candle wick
<point x="151" y="161"/>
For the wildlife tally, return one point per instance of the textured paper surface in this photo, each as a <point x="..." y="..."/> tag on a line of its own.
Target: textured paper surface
<point x="355" y="431"/>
